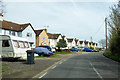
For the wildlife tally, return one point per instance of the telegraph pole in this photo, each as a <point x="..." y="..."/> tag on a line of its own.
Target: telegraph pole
<point x="106" y="31"/>
<point x="91" y="38"/>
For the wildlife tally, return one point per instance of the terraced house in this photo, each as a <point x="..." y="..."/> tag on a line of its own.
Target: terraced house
<point x="71" y="43"/>
<point x="53" y="39"/>
<point x="77" y="43"/>
<point x="20" y="30"/>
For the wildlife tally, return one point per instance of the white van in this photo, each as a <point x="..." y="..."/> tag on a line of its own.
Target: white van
<point x="13" y="47"/>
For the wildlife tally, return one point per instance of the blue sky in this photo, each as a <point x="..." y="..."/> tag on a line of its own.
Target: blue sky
<point x="72" y="18"/>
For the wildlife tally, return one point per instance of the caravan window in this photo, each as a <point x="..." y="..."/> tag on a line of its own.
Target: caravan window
<point x="5" y="43"/>
<point x="21" y="44"/>
<point x="26" y="45"/>
<point x="15" y="43"/>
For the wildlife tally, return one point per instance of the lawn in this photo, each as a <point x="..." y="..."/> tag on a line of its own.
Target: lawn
<point x="115" y="57"/>
<point x="57" y="52"/>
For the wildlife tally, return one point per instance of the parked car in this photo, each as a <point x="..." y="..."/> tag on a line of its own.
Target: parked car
<point x="45" y="46"/>
<point x="87" y="50"/>
<point x="53" y="49"/>
<point x="74" y="49"/>
<point x="42" y="51"/>
<point x="95" y="50"/>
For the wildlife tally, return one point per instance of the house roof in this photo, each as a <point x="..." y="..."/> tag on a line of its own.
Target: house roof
<point x="86" y="42"/>
<point x="69" y="40"/>
<point x="53" y="36"/>
<point x="38" y="32"/>
<point x="81" y="42"/>
<point x="63" y="36"/>
<point x="76" y="40"/>
<point x="14" y="26"/>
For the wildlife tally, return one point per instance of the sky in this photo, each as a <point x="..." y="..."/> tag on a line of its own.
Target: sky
<point x="73" y="18"/>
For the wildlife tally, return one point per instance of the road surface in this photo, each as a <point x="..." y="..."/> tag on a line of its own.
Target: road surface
<point x="87" y="66"/>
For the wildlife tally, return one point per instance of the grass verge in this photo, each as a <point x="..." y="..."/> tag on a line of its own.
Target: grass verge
<point x="115" y="57"/>
<point x="55" y="54"/>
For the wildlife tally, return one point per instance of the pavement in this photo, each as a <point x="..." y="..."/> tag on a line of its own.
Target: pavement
<point x="86" y="66"/>
<point x="20" y="69"/>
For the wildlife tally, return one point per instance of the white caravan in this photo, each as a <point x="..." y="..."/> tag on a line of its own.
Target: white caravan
<point x="13" y="47"/>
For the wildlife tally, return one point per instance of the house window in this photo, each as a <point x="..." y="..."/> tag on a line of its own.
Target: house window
<point x="29" y="34"/>
<point x="43" y="38"/>
<point x="5" y="43"/>
<point x="12" y="33"/>
<point x="4" y="32"/>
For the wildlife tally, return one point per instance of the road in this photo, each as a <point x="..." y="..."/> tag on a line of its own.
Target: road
<point x="89" y="66"/>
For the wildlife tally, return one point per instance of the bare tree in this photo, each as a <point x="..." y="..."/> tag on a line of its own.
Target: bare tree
<point x="2" y="7"/>
<point x="102" y="43"/>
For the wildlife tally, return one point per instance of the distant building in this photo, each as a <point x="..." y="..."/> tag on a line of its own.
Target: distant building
<point x="82" y="44"/>
<point x="86" y="44"/>
<point x="41" y="37"/>
<point x="19" y="30"/>
<point x="53" y="39"/>
<point x="77" y="43"/>
<point x="71" y="43"/>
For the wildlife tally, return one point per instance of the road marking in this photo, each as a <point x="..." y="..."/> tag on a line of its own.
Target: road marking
<point x="53" y="67"/>
<point x="43" y="75"/>
<point x="60" y="62"/>
<point x="96" y="71"/>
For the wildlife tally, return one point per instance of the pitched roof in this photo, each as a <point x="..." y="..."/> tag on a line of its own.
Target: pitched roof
<point x="63" y="36"/>
<point x="38" y="32"/>
<point x="86" y="42"/>
<point x="53" y="36"/>
<point x="76" y="40"/>
<point x="69" y="40"/>
<point x="81" y="42"/>
<point x="14" y="26"/>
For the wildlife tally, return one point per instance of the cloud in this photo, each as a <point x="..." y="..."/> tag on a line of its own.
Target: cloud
<point x="61" y="0"/>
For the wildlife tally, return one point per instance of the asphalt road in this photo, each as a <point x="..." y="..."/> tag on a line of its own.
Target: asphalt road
<point x="88" y="66"/>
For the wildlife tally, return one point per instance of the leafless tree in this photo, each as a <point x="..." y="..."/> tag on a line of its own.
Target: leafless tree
<point x="2" y="7"/>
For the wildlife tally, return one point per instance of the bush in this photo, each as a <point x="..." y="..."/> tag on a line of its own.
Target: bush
<point x="115" y="57"/>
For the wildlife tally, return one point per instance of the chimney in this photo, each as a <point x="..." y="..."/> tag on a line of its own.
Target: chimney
<point x="1" y="17"/>
<point x="46" y="30"/>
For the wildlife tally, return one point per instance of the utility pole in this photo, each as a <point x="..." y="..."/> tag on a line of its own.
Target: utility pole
<point x="106" y="31"/>
<point x="91" y="38"/>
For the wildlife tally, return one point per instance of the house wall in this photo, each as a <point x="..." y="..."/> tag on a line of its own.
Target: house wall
<point x="66" y="42"/>
<point x="51" y="42"/>
<point x="43" y="39"/>
<point x="31" y="37"/>
<point x="73" y="43"/>
<point x="69" y="45"/>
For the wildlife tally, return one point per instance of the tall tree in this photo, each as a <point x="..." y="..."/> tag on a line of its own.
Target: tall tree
<point x="114" y="31"/>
